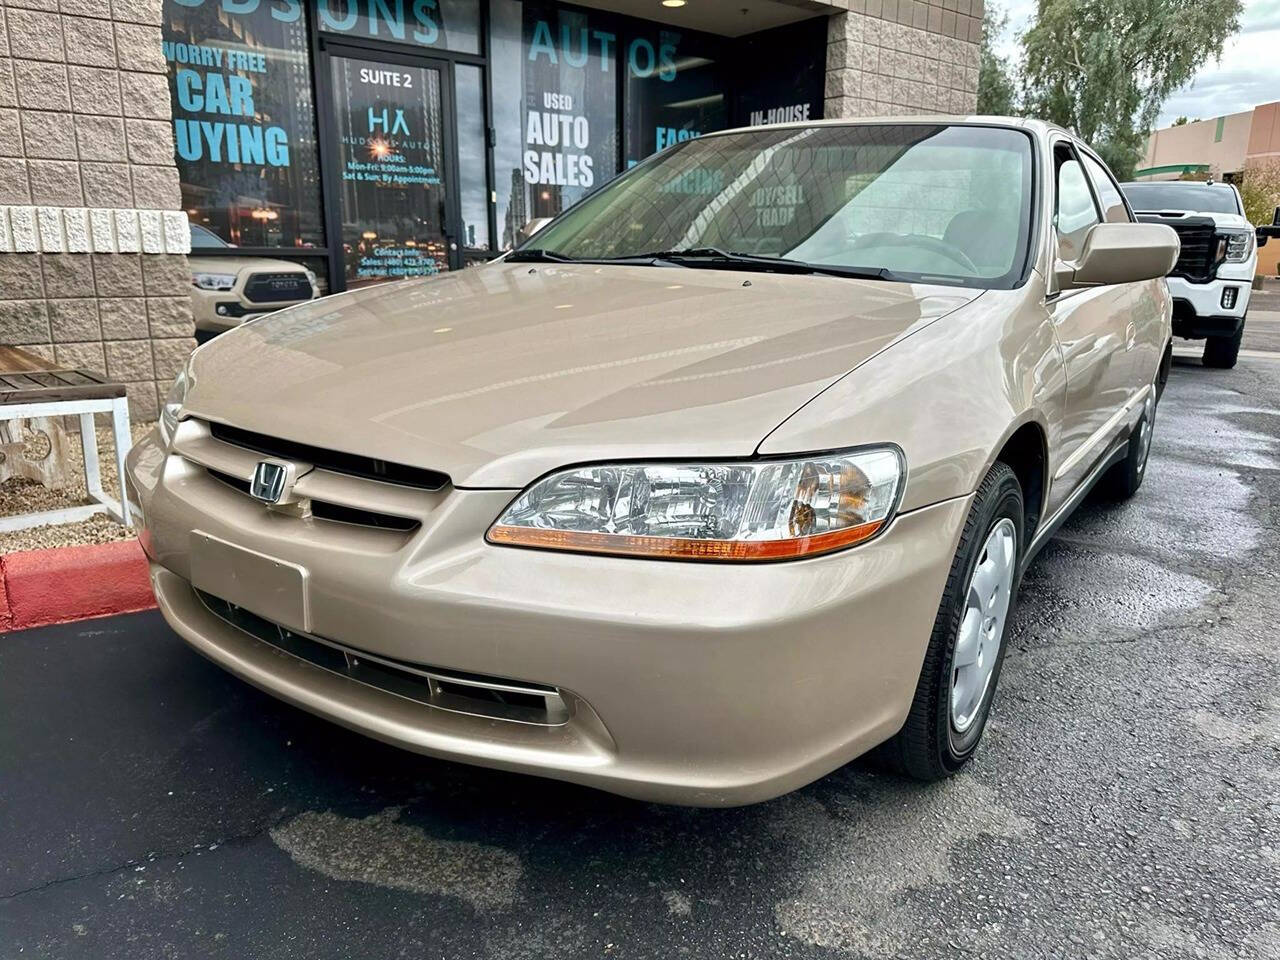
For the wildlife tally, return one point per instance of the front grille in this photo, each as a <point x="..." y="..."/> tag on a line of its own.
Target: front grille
<point x="1201" y="250"/>
<point x="1198" y="259"/>
<point x="458" y="692"/>
<point x="351" y="464"/>
<point x="277" y="287"/>
<point x="337" y="512"/>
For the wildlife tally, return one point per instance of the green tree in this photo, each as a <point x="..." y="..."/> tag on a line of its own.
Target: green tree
<point x="1260" y="190"/>
<point x="997" y="92"/>
<point x="1103" y="68"/>
<point x="1180" y="122"/>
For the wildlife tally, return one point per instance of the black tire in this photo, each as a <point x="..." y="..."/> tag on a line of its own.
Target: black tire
<point x="1123" y="480"/>
<point x="1221" y="353"/>
<point x="928" y="747"/>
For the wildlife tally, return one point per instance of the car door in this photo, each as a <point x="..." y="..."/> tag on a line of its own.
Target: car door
<point x="1091" y="327"/>
<point x="1145" y="334"/>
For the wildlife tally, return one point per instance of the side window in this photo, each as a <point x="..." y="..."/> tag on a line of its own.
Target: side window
<point x="1113" y="208"/>
<point x="1074" y="210"/>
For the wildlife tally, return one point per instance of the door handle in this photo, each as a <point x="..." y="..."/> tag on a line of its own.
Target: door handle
<point x="1130" y="335"/>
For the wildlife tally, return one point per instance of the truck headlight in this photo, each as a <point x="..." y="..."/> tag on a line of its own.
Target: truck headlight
<point x="213" y="281"/>
<point x="756" y="510"/>
<point x="1239" y="245"/>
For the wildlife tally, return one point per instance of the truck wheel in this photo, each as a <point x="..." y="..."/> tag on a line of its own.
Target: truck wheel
<point x="962" y="663"/>
<point x="1222" y="352"/>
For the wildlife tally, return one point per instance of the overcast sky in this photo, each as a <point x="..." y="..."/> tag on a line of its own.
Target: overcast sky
<point x="1248" y="74"/>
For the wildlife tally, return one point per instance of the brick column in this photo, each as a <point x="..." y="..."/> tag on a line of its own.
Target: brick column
<point x="903" y="57"/>
<point x="93" y="271"/>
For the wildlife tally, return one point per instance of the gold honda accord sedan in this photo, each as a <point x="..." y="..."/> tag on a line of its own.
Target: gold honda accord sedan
<point x="726" y="476"/>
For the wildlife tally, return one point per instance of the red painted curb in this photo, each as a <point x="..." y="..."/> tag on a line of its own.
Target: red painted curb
<point x="39" y="587"/>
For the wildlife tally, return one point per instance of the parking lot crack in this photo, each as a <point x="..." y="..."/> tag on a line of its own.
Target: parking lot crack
<point x="161" y="858"/>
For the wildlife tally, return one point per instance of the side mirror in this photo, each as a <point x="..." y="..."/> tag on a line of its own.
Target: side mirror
<point x="1121" y="253"/>
<point x="1265" y="233"/>
<point x="532" y="227"/>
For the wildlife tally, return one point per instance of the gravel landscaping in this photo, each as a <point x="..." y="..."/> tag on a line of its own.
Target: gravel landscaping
<point x="25" y="496"/>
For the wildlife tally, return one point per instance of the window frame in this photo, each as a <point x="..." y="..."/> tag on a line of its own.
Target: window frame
<point x="1071" y="145"/>
<point x="1091" y="155"/>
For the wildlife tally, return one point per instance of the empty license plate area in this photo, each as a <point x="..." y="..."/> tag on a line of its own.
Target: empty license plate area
<point x="271" y="588"/>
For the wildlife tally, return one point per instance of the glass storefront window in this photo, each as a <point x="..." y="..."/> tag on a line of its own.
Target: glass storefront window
<point x="558" y="137"/>
<point x="675" y="91"/>
<point x="791" y="90"/>
<point x="473" y="185"/>
<point x="243" y="120"/>
<point x="447" y="24"/>
<point x="391" y="152"/>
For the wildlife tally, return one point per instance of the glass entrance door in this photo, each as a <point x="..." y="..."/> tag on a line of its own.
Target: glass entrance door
<point x="392" y="193"/>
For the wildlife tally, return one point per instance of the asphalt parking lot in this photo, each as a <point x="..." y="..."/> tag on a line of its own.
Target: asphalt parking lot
<point x="1126" y="802"/>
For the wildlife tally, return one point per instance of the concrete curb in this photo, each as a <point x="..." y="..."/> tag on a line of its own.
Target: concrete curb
<point x="39" y="587"/>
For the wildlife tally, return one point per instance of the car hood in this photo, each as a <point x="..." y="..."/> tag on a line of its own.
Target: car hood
<point x="497" y="374"/>
<point x="230" y="264"/>
<point x="1172" y="217"/>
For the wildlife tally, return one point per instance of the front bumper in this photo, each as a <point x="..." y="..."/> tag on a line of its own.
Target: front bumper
<point x="1199" y="309"/>
<point x="706" y="684"/>
<point x="206" y="304"/>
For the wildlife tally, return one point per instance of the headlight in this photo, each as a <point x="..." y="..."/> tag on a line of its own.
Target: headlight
<point x="764" y="510"/>
<point x="1239" y="245"/>
<point x="313" y="280"/>
<point x="213" y="281"/>
<point x="173" y="402"/>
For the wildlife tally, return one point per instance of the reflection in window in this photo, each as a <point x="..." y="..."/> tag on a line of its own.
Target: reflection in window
<point x="675" y="92"/>
<point x="1108" y="192"/>
<point x="473" y="186"/>
<point x="555" y="108"/>
<point x="390" y="124"/>
<point x="919" y="200"/>
<point x="244" y="133"/>
<point x="1075" y="212"/>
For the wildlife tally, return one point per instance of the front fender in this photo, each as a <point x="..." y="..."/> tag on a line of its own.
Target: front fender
<point x="950" y="395"/>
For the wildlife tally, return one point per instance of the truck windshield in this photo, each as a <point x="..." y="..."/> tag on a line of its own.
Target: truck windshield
<point x="926" y="202"/>
<point x="1183" y="196"/>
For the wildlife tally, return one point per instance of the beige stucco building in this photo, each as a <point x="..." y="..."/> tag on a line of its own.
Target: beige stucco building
<point x="1221" y="145"/>
<point x="129" y="126"/>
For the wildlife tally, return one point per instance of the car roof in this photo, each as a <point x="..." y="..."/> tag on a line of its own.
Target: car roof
<point x="1176" y="183"/>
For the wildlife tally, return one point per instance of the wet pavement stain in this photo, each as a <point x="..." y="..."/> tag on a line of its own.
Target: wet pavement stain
<point x="382" y="851"/>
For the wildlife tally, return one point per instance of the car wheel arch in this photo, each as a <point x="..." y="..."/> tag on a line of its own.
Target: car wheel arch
<point x="1025" y="449"/>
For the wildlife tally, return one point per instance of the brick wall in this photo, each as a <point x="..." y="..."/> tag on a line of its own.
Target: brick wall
<point x="93" y="270"/>
<point x="903" y="57"/>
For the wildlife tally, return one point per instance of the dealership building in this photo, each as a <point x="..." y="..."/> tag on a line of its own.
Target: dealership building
<point x="378" y="139"/>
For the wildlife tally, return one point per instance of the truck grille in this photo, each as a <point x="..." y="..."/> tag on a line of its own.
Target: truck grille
<point x="1202" y="249"/>
<point x="277" y="288"/>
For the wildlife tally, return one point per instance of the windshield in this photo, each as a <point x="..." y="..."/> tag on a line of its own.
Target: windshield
<point x="203" y="237"/>
<point x="1189" y="197"/>
<point x="918" y="201"/>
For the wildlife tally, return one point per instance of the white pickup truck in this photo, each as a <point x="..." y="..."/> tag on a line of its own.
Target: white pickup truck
<point x="1213" y="277"/>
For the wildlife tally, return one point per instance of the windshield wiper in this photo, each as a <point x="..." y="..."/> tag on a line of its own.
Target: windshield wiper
<point x="539" y="255"/>
<point x="715" y="257"/>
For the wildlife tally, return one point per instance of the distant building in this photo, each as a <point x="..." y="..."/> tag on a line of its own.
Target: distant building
<point x="1221" y="145"/>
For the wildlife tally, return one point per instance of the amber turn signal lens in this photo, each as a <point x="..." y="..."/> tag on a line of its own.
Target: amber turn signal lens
<point x="675" y="548"/>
